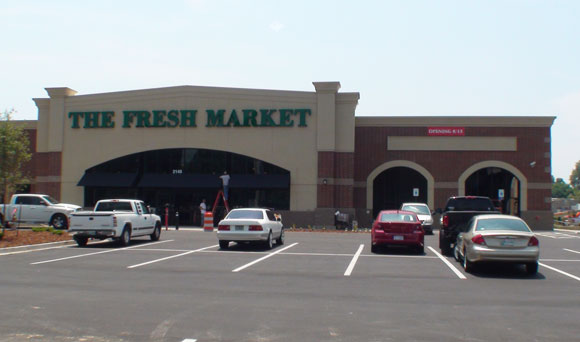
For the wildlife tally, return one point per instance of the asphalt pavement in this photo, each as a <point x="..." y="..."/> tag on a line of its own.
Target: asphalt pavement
<point x="315" y="287"/>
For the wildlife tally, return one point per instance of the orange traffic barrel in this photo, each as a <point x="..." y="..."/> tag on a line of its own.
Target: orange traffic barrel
<point x="208" y="222"/>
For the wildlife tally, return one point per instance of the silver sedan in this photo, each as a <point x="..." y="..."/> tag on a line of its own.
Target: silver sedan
<point x="501" y="238"/>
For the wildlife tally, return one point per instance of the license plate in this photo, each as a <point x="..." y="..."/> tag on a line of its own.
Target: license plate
<point x="508" y="243"/>
<point x="239" y="227"/>
<point x="398" y="237"/>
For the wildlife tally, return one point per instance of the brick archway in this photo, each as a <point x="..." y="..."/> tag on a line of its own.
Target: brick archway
<point x="401" y="163"/>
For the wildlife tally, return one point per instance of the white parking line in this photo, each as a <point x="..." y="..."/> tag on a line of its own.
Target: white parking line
<point x="171" y="257"/>
<point x="455" y="270"/>
<point x="263" y="258"/>
<point x="95" y="253"/>
<point x="570" y="250"/>
<point x="350" y="267"/>
<point x="189" y="340"/>
<point x="560" y="271"/>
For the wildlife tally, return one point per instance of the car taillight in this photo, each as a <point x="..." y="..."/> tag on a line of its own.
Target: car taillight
<point x="478" y="239"/>
<point x="255" y="227"/>
<point x="445" y="221"/>
<point x="533" y="241"/>
<point x="418" y="229"/>
<point x="114" y="221"/>
<point x="223" y="227"/>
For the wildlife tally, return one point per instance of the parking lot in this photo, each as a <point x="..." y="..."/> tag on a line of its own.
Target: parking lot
<point x="316" y="287"/>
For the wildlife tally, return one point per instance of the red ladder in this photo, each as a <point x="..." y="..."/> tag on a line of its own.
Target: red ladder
<point x="220" y="193"/>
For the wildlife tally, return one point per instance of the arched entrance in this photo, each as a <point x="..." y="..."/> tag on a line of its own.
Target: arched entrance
<point x="182" y="177"/>
<point x="493" y="179"/>
<point x="395" y="182"/>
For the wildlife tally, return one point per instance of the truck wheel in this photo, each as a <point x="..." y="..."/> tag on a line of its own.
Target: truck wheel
<point x="59" y="221"/>
<point x="444" y="245"/>
<point x="4" y="223"/>
<point x="125" y="237"/>
<point x="81" y="240"/>
<point x="156" y="233"/>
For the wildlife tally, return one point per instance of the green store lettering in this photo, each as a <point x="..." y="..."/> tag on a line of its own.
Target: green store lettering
<point x="284" y="117"/>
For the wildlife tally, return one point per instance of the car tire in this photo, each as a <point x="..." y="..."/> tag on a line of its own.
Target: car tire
<point x="81" y="240"/>
<point x="281" y="238"/>
<point x="224" y="244"/>
<point x="125" y="238"/>
<point x="420" y="250"/>
<point x="456" y="253"/>
<point x="374" y="248"/>
<point x="269" y="242"/>
<point x="156" y="233"/>
<point x="532" y="268"/>
<point x="467" y="265"/>
<point x="58" y="221"/>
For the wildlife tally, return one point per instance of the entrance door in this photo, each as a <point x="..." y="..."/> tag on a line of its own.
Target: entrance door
<point x="493" y="182"/>
<point x="398" y="185"/>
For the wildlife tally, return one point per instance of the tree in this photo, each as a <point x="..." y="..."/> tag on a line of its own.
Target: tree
<point x="575" y="176"/>
<point x="14" y="153"/>
<point x="560" y="189"/>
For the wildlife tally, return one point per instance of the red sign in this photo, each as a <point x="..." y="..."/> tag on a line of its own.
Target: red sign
<point x="447" y="131"/>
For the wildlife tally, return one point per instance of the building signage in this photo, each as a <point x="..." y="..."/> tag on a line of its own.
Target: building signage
<point x="446" y="131"/>
<point x="284" y="117"/>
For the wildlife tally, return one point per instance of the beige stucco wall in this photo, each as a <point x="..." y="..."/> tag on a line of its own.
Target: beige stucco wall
<point x="292" y="148"/>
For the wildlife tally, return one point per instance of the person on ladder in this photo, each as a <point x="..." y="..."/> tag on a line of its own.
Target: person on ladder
<point x="226" y="183"/>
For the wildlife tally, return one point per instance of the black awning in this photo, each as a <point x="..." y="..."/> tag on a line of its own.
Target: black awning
<point x="116" y="180"/>
<point x="260" y="181"/>
<point x="153" y="180"/>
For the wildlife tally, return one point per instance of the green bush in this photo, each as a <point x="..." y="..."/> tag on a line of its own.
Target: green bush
<point x="39" y="229"/>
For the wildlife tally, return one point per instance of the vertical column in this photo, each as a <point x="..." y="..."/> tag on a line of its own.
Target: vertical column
<point x="50" y="141"/>
<point x="56" y="117"/>
<point x="326" y="142"/>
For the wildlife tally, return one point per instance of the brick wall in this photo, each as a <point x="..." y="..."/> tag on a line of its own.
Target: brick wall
<point x="338" y="170"/>
<point x="533" y="144"/>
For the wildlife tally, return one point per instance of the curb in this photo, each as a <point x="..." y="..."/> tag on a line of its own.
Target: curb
<point x="36" y="246"/>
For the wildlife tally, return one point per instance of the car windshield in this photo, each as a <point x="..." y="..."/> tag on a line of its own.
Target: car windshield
<point x="397" y="218"/>
<point x="245" y="214"/>
<point x="501" y="224"/>
<point x="419" y="209"/>
<point x="50" y="200"/>
<point x="114" y="206"/>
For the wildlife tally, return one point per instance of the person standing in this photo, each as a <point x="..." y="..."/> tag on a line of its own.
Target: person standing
<point x="226" y="183"/>
<point x="202" y="209"/>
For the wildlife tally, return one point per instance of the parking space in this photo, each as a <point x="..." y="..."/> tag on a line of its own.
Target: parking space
<point x="329" y="254"/>
<point x="185" y="286"/>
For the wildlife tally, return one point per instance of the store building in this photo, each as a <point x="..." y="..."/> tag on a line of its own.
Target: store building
<point x="305" y="154"/>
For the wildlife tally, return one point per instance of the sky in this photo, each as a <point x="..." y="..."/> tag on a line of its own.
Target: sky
<point x="405" y="57"/>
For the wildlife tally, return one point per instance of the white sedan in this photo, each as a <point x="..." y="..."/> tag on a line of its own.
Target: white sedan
<point x="250" y="225"/>
<point x="500" y="238"/>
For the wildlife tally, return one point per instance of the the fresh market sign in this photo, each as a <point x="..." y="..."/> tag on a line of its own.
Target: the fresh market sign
<point x="188" y="118"/>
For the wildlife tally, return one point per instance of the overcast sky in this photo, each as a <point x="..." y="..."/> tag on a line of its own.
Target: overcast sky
<point x="492" y="58"/>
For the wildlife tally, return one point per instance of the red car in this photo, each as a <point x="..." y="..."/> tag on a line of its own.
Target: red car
<point x="397" y="227"/>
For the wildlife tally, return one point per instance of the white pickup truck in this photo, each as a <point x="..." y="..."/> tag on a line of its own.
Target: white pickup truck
<point x="36" y="208"/>
<point x="119" y="219"/>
